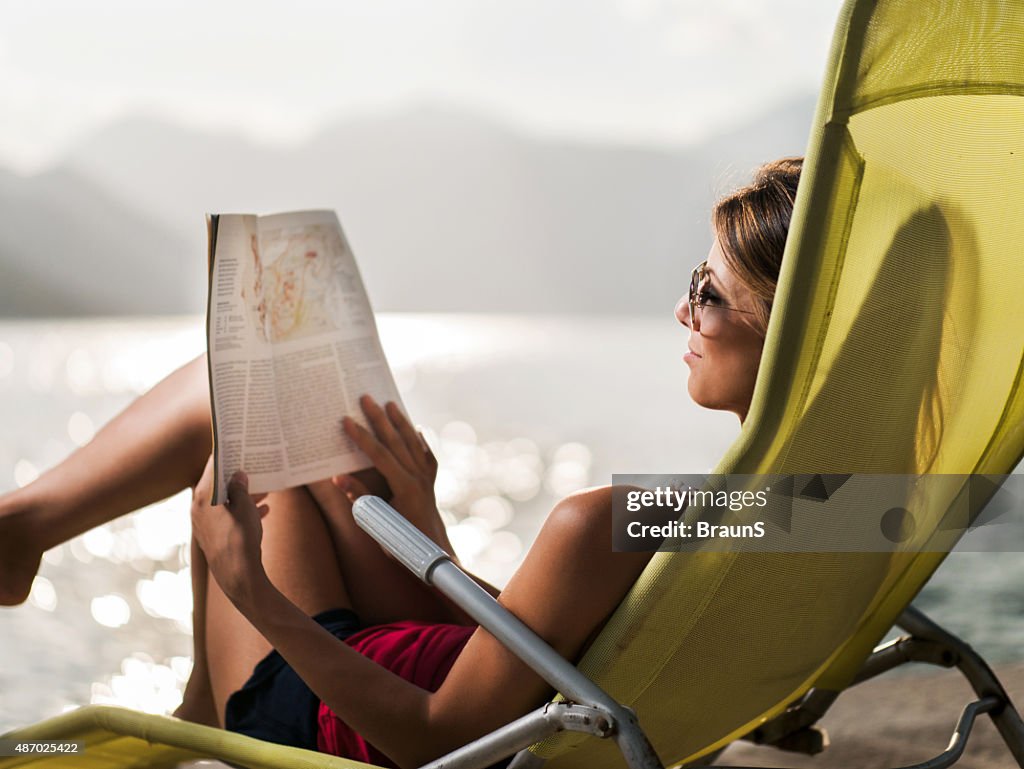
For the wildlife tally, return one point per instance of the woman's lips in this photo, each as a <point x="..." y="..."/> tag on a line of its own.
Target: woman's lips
<point x="691" y="356"/>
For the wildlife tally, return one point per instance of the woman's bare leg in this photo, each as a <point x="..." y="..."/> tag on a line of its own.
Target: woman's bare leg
<point x="304" y="552"/>
<point x="382" y="590"/>
<point x="197" y="703"/>
<point x="154" y="448"/>
<point x="300" y="560"/>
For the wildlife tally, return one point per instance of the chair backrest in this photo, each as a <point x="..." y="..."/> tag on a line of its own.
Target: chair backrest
<point x="895" y="346"/>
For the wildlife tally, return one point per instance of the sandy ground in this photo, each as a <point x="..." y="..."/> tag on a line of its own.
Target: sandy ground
<point x="895" y="721"/>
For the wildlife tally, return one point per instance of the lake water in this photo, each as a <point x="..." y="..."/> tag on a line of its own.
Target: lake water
<point x="520" y="410"/>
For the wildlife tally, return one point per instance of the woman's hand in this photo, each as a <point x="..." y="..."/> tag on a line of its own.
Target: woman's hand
<point x="230" y="535"/>
<point x="405" y="460"/>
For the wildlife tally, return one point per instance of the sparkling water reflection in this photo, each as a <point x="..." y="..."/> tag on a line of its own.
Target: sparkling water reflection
<point x="520" y="412"/>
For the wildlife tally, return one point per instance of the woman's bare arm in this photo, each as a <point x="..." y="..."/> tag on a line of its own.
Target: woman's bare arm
<point x="566" y="587"/>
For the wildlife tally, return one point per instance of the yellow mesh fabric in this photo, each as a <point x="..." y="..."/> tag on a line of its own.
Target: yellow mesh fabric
<point x="895" y="346"/>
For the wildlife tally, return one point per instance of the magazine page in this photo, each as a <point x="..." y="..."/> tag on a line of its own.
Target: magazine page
<point x="293" y="345"/>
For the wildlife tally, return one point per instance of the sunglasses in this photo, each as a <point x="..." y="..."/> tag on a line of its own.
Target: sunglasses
<point x="700" y="297"/>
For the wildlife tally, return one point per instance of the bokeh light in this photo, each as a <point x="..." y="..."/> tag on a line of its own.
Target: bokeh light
<point x="24" y="473"/>
<point x="43" y="595"/>
<point x="163" y="528"/>
<point x="110" y="610"/>
<point x="80" y="428"/>
<point x="168" y="595"/>
<point x="99" y="542"/>
<point x="142" y="684"/>
<point x="81" y="372"/>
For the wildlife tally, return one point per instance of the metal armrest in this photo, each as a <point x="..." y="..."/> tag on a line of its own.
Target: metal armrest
<point x="433" y="565"/>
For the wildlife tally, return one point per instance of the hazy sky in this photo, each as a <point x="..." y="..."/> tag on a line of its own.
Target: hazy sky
<point x="665" y="71"/>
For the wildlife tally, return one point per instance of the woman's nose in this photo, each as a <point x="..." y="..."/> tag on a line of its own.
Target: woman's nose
<point x="683" y="311"/>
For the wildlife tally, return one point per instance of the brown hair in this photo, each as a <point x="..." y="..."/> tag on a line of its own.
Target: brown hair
<point x="752" y="224"/>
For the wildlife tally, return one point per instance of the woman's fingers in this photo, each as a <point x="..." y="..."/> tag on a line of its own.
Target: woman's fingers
<point x="229" y="535"/>
<point x="399" y="452"/>
<point x="385" y="430"/>
<point x="382" y="458"/>
<point x="428" y="452"/>
<point x="238" y="494"/>
<point x="413" y="441"/>
<point x="204" y="487"/>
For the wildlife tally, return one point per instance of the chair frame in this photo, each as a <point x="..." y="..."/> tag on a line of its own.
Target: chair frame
<point x="926" y="642"/>
<point x="588" y="708"/>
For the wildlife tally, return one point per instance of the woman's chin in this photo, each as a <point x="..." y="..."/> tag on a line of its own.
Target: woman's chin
<point x="697" y="395"/>
<point x="701" y="397"/>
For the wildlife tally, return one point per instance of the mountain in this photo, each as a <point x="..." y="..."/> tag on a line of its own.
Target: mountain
<point x="451" y="211"/>
<point x="731" y="155"/>
<point x="68" y="248"/>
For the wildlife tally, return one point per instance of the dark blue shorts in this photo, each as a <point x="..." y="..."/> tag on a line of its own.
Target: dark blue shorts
<point x="275" y="704"/>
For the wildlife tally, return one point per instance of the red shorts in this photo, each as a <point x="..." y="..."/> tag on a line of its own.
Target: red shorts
<point x="421" y="653"/>
<point x="276" y="705"/>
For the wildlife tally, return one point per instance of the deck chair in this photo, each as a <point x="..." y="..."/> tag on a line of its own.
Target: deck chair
<point x="895" y="347"/>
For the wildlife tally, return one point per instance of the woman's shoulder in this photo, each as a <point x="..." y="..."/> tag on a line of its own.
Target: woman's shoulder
<point x="575" y="544"/>
<point x="592" y="497"/>
<point x="586" y="509"/>
<point x="595" y="504"/>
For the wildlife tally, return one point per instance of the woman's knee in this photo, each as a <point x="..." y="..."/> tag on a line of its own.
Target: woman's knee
<point x="298" y="553"/>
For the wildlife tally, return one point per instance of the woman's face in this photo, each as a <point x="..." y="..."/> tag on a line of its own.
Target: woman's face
<point x="725" y="347"/>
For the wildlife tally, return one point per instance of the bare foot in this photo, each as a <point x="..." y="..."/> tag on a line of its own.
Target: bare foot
<point x="19" y="556"/>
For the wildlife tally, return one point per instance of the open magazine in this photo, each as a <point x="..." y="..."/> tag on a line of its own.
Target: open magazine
<point x="292" y="345"/>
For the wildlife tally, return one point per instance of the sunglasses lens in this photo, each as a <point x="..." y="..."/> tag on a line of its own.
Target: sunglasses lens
<point x="695" y="306"/>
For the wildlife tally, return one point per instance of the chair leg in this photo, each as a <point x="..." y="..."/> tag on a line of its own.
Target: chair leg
<point x="928" y="643"/>
<point x="981" y="677"/>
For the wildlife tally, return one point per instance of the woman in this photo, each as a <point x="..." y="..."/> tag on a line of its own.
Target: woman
<point x="307" y="633"/>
